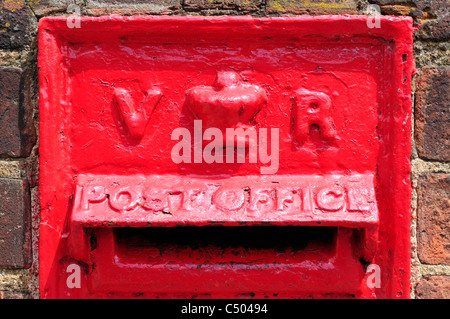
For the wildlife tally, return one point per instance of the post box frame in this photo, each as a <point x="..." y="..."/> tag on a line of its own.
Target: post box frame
<point x="56" y="183"/>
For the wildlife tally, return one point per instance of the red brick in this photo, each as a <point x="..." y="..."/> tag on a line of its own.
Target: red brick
<point x="313" y="7"/>
<point x="14" y="295"/>
<point x="46" y="7"/>
<point x="432" y="116"/>
<point x="433" y="287"/>
<point x="17" y="134"/>
<point x="15" y="237"/>
<point x="433" y="219"/>
<point x="432" y="17"/>
<point x="15" y="24"/>
<point x="130" y="7"/>
<point x="223" y="6"/>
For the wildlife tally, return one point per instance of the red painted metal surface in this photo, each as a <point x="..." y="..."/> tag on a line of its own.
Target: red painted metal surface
<point x="138" y="223"/>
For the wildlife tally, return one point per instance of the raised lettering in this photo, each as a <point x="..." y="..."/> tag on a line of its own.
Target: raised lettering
<point x="288" y="199"/>
<point x="261" y="200"/>
<point x="330" y="198"/>
<point x="123" y="199"/>
<point x="229" y="198"/>
<point x="92" y="194"/>
<point x="155" y="200"/>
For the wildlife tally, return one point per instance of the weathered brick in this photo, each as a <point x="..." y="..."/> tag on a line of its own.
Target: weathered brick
<point x="15" y="234"/>
<point x="431" y="16"/>
<point x="433" y="218"/>
<point x="46" y="7"/>
<point x="313" y="7"/>
<point x="17" y="135"/>
<point x="14" y="295"/>
<point x="432" y="133"/>
<point x="218" y="7"/>
<point x="15" y="23"/>
<point x="130" y="7"/>
<point x="433" y="287"/>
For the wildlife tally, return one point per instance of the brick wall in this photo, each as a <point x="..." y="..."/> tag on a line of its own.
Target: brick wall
<point x="19" y="136"/>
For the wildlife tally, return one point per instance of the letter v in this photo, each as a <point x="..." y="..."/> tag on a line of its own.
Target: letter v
<point x="136" y="117"/>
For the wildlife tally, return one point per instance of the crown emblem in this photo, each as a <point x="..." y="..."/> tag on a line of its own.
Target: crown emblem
<point x="229" y="103"/>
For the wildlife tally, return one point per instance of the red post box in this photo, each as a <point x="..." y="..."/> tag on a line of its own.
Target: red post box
<point x="225" y="157"/>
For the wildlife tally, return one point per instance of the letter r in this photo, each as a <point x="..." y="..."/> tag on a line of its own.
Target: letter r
<point x="312" y="108"/>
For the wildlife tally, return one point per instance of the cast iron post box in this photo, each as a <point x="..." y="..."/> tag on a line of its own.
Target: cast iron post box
<point x="225" y="157"/>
